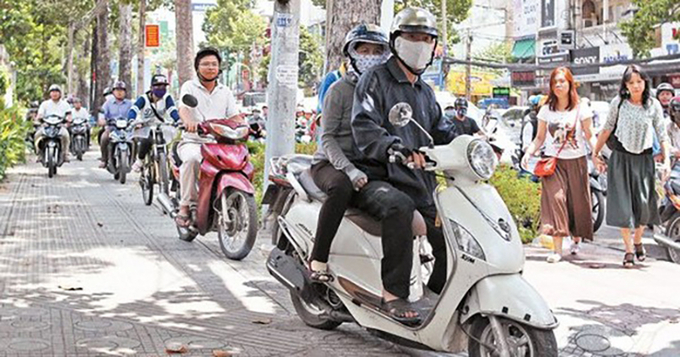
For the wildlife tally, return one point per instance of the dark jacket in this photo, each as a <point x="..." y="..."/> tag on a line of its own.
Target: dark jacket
<point x="383" y="89"/>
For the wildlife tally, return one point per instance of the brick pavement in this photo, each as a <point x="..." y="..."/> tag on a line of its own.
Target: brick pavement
<point x="142" y="288"/>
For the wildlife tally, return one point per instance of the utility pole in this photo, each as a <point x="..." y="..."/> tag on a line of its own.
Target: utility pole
<point x="283" y="79"/>
<point x="445" y="37"/>
<point x="468" y="66"/>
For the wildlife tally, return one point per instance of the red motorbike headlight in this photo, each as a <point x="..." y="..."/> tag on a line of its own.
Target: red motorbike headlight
<point x="227" y="132"/>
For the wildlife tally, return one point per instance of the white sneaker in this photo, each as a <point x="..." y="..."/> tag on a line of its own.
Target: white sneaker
<point x="554" y="258"/>
<point x="137" y="166"/>
<point x="574" y="249"/>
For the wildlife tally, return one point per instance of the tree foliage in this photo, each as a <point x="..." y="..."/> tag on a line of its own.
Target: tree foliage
<point x="310" y="58"/>
<point x="640" y="29"/>
<point x="34" y="33"/>
<point x="231" y="26"/>
<point x="456" y="12"/>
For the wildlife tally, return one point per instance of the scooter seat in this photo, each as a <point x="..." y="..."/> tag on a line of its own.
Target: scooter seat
<point x="360" y="218"/>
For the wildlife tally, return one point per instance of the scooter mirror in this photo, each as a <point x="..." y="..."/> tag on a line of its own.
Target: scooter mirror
<point x="190" y="101"/>
<point x="400" y="115"/>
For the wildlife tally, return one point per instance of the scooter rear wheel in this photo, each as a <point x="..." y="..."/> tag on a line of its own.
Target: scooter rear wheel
<point x="237" y="225"/>
<point x="597" y="201"/>
<point x="311" y="315"/>
<point x="523" y="340"/>
<point x="673" y="232"/>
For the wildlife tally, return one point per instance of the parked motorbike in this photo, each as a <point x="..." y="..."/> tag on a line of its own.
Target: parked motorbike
<point x="155" y="170"/>
<point x="50" y="144"/>
<point x="486" y="299"/>
<point x="225" y="190"/>
<point x="79" y="134"/>
<point x="669" y="212"/>
<point x="120" y="149"/>
<point x="598" y="189"/>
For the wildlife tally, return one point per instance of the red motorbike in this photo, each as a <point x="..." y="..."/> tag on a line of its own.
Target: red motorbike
<point x="225" y="190"/>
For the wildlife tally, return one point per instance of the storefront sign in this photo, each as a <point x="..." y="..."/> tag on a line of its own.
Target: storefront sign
<point x="560" y="58"/>
<point x="586" y="56"/>
<point x="501" y="92"/>
<point x="523" y="79"/>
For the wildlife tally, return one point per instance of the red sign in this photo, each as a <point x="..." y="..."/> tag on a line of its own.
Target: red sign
<point x="153" y="35"/>
<point x="674" y="79"/>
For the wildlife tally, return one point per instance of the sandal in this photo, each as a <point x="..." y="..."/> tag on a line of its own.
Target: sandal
<point x="183" y="221"/>
<point x="628" y="261"/>
<point x="640" y="253"/>
<point x="319" y="275"/>
<point x="398" y="310"/>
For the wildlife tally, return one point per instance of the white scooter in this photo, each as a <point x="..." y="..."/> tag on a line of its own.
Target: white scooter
<point x="485" y="299"/>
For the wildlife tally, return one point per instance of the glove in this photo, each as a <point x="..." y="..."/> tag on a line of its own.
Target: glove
<point x="398" y="147"/>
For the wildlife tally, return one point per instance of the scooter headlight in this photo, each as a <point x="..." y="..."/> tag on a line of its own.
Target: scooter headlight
<point x="466" y="242"/>
<point x="482" y="159"/>
<point x="227" y="132"/>
<point x="121" y="124"/>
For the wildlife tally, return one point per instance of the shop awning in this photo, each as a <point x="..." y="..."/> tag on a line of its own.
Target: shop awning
<point x="524" y="49"/>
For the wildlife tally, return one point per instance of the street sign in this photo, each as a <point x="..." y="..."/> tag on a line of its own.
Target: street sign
<point x="523" y="78"/>
<point x="567" y="41"/>
<point x="153" y="36"/>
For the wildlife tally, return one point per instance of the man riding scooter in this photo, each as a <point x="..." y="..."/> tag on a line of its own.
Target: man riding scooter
<point x="396" y="89"/>
<point x="115" y="108"/>
<point x="54" y="106"/>
<point x="215" y="100"/>
<point x="153" y="106"/>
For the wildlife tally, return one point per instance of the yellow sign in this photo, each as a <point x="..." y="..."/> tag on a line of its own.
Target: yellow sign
<point x="480" y="83"/>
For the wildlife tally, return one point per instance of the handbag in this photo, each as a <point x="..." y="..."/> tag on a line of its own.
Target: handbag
<point x="546" y="166"/>
<point x="612" y="141"/>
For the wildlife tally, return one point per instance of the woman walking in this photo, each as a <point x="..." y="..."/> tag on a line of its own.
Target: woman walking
<point x="564" y="125"/>
<point x="634" y="116"/>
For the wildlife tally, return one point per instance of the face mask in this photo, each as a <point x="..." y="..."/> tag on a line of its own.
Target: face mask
<point x="363" y="63"/>
<point x="450" y="113"/>
<point x="159" y="93"/>
<point x="414" y="54"/>
<point x="462" y="112"/>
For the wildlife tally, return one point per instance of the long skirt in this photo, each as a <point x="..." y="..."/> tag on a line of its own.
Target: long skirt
<point x="565" y="200"/>
<point x="631" y="197"/>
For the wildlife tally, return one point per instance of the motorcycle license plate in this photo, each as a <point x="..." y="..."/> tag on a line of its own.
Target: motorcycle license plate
<point x="270" y="194"/>
<point x="121" y="124"/>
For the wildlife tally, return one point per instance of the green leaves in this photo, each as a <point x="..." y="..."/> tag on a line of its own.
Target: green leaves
<point x="12" y="133"/>
<point x="640" y="29"/>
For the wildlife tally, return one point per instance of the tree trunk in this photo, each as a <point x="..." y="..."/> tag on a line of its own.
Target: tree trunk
<point x="69" y="58"/>
<point x="103" y="74"/>
<point x="141" y="47"/>
<point x="185" y="52"/>
<point x="92" y="94"/>
<point x="341" y="16"/>
<point x="125" y="45"/>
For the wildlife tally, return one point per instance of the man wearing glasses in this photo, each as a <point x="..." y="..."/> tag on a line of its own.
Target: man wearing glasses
<point x="215" y="100"/>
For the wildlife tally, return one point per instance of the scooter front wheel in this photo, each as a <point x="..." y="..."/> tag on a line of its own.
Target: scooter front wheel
<point x="522" y="340"/>
<point x="597" y="201"/>
<point x="237" y="225"/>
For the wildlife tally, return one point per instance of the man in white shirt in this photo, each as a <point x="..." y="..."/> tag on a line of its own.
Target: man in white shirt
<point x="54" y="106"/>
<point x="214" y="101"/>
<point x="80" y="112"/>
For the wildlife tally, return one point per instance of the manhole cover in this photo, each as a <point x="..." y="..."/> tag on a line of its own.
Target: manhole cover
<point x="602" y="341"/>
<point x="592" y="342"/>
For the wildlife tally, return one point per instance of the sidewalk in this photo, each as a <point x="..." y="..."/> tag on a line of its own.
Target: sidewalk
<point x="87" y="270"/>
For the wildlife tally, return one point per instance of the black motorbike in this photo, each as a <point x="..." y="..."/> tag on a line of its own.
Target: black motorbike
<point x="79" y="137"/>
<point x="598" y="189"/>
<point x="120" y="148"/>
<point x="50" y="144"/>
<point x="669" y="212"/>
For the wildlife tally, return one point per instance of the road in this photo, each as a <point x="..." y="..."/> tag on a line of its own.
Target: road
<point x="87" y="270"/>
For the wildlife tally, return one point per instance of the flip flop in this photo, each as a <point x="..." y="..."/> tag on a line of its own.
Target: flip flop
<point x="397" y="310"/>
<point x="183" y="220"/>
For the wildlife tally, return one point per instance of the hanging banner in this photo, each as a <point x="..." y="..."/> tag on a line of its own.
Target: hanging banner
<point x="152" y="33"/>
